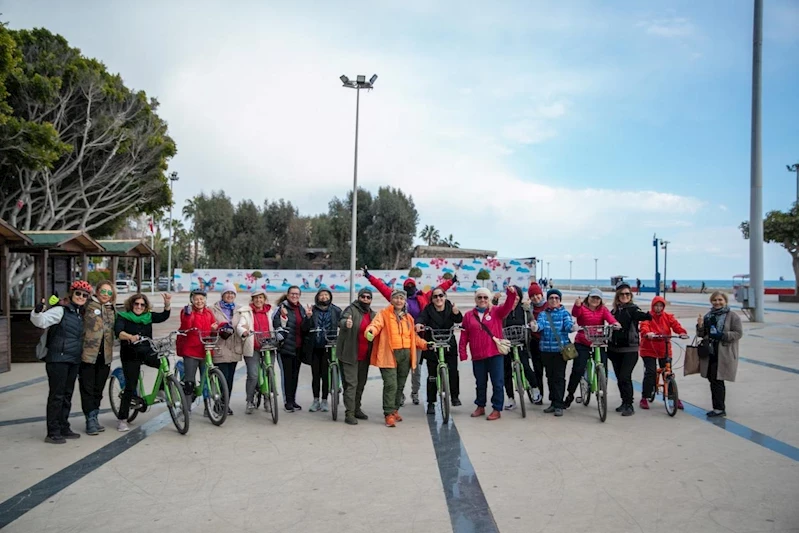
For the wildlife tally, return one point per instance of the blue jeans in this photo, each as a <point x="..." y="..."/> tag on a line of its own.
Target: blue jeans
<point x="493" y="366"/>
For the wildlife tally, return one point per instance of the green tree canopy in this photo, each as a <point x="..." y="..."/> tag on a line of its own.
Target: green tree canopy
<point x="782" y="228"/>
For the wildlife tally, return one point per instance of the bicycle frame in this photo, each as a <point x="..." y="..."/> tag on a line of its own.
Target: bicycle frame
<point x="160" y="347"/>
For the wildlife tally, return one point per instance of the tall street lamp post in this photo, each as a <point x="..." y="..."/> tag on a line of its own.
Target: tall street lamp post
<point x="358" y="83"/>
<point x="173" y="177"/>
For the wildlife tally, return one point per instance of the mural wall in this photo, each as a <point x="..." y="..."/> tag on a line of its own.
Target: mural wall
<point x="501" y="272"/>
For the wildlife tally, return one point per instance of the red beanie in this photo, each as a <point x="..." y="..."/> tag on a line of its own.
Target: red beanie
<point x="534" y="289"/>
<point x="409" y="282"/>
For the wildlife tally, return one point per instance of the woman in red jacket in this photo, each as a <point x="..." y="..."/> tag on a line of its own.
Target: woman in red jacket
<point x="653" y="352"/>
<point x="189" y="347"/>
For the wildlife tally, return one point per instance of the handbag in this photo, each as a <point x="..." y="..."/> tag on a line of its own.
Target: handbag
<point x="503" y="345"/>
<point x="568" y="351"/>
<point x="691" y="365"/>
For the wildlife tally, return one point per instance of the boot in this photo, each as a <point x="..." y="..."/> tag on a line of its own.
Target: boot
<point x="91" y="424"/>
<point x="360" y="415"/>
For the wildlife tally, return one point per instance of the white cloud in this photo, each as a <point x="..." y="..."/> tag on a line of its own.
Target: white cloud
<point x="670" y="27"/>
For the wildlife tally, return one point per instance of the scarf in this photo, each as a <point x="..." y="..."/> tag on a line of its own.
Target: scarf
<point x="227" y="309"/>
<point x="144" y="318"/>
<point x="364" y="308"/>
<point x="717" y="317"/>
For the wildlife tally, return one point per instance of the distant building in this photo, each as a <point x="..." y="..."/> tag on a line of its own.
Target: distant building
<point x="446" y="251"/>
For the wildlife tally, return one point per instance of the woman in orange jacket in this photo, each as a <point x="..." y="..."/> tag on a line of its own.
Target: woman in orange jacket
<point x="653" y="352"/>
<point x="394" y="352"/>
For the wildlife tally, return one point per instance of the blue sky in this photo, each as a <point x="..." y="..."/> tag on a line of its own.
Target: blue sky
<point x="566" y="132"/>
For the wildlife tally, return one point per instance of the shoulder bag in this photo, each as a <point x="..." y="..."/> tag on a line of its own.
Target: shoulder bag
<point x="568" y="351"/>
<point x="503" y="345"/>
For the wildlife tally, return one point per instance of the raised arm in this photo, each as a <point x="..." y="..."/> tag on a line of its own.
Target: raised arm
<point x="504" y="310"/>
<point x="378" y="284"/>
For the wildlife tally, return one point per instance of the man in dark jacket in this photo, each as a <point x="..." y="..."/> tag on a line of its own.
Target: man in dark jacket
<point x="353" y="352"/>
<point x="296" y="321"/>
<point x="324" y="320"/>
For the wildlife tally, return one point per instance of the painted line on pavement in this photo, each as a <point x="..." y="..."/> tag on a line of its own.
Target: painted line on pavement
<point x="770" y="365"/>
<point x="466" y="502"/>
<point x="33" y="419"/>
<point x="15" y="386"/>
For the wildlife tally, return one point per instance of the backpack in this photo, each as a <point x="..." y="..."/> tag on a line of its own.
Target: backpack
<point x="44" y="344"/>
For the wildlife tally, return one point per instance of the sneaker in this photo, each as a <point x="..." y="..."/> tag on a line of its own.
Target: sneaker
<point x="431" y="408"/>
<point x="351" y="420"/>
<point x="397" y="417"/>
<point x="510" y="405"/>
<point x="55" y="439"/>
<point x="550" y="409"/>
<point x="250" y="408"/>
<point x="628" y="411"/>
<point x="569" y="400"/>
<point x="538" y="398"/>
<point x="91" y="426"/>
<point x="297" y="407"/>
<point x="314" y="406"/>
<point x="415" y="398"/>
<point x="390" y="421"/>
<point x="644" y="403"/>
<point x="620" y="408"/>
<point x="402" y="402"/>
<point x="495" y="415"/>
<point x="69" y="434"/>
<point x="229" y="411"/>
<point x="289" y="408"/>
<point x="679" y="404"/>
<point x="360" y="415"/>
<point x="456" y="402"/>
<point x="325" y="407"/>
<point x="716" y="413"/>
<point x="558" y="411"/>
<point x="122" y="426"/>
<point x="480" y="411"/>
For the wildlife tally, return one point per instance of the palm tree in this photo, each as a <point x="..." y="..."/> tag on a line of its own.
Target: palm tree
<point x="430" y="235"/>
<point x="190" y="212"/>
<point x="450" y="242"/>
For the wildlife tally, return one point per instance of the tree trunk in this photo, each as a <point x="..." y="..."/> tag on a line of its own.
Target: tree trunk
<point x="795" y="263"/>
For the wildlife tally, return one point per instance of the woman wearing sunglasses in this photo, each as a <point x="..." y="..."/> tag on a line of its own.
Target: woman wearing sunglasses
<point x="135" y="322"/>
<point x="623" y="348"/>
<point x="354" y="353"/>
<point x="64" y="343"/>
<point x="442" y="314"/>
<point x="98" y="351"/>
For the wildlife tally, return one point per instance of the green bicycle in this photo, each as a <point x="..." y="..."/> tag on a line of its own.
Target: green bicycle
<point x="266" y="391"/>
<point x="595" y="380"/>
<point x="212" y="386"/>
<point x="334" y="369"/>
<point x="440" y="341"/>
<point x="166" y="388"/>
<point x="517" y="335"/>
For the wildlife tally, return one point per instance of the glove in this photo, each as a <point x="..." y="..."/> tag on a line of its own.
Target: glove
<point x="369" y="335"/>
<point x="683" y="336"/>
<point x="39" y="307"/>
<point x="226" y="332"/>
<point x="455" y="279"/>
<point x="187" y="310"/>
<point x="365" y="272"/>
<point x="716" y="335"/>
<point x="53" y="300"/>
<point x="650" y="335"/>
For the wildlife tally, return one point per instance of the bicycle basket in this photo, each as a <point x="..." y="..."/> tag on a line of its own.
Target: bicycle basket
<point x="164" y="345"/>
<point x="268" y="340"/>
<point x="598" y="334"/>
<point x="331" y="336"/>
<point x="515" y="334"/>
<point x="440" y="337"/>
<point x="209" y="338"/>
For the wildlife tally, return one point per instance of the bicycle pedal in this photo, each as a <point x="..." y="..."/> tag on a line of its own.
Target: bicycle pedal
<point x="579" y="399"/>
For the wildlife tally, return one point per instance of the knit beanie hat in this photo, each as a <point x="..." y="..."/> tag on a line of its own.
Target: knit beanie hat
<point x="534" y="289"/>
<point x="556" y="292"/>
<point x="410" y="282"/>
<point x="399" y="293"/>
<point x="257" y="292"/>
<point x="595" y="292"/>
<point x="365" y="290"/>
<point x="482" y="291"/>
<point x="228" y="287"/>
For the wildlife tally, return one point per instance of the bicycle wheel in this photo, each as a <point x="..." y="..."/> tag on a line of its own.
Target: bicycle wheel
<point x="585" y="392"/>
<point x="177" y="405"/>
<point x="444" y="397"/>
<point x="272" y="397"/>
<point x="601" y="393"/>
<point x="670" y="395"/>
<point x="334" y="390"/>
<point x="517" y="375"/>
<point x="218" y="397"/>
<point x="115" y="393"/>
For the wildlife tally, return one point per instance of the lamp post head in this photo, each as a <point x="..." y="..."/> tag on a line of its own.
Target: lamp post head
<point x="344" y="79"/>
<point x="373" y="79"/>
<point x="173" y="176"/>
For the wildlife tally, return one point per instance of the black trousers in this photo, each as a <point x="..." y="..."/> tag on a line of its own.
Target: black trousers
<point x="451" y="358"/>
<point x="538" y="364"/>
<point x="650" y="374"/>
<point x="320" y="366"/>
<point x="580" y="363"/>
<point x="291" y="376"/>
<point x="718" y="391"/>
<point x="556" y="377"/>
<point x="92" y="378"/>
<point x="61" y="379"/>
<point x="623" y="366"/>
<point x="229" y="371"/>
<point x="524" y="357"/>
<point x="131" y="365"/>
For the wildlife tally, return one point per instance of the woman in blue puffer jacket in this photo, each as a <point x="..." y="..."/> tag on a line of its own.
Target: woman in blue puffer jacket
<point x="555" y="323"/>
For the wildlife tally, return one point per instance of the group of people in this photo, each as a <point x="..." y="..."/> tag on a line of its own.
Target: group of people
<point x="396" y="339"/>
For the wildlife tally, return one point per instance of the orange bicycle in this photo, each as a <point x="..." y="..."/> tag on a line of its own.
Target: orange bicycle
<point x="665" y="380"/>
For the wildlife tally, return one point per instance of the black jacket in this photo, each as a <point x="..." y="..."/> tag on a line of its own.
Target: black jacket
<point x="65" y="339"/>
<point x="296" y="329"/>
<point x="627" y="339"/>
<point x="444" y="319"/>
<point x="128" y="350"/>
<point x="317" y="340"/>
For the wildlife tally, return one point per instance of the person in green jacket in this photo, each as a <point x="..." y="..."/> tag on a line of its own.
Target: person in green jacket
<point x="353" y="352"/>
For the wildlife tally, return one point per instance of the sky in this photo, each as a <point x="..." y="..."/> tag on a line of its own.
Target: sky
<point x="567" y="132"/>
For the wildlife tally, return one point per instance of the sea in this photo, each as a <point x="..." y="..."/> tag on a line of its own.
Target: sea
<point x="694" y="283"/>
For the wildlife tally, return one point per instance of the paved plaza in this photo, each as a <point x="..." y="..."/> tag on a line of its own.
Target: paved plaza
<point x="646" y="473"/>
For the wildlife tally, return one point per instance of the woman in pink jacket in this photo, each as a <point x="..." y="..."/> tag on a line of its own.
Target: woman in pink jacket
<point x="592" y="312"/>
<point x="480" y="326"/>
